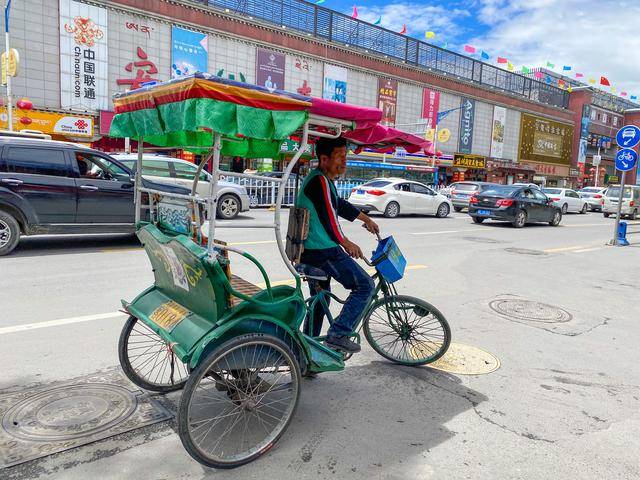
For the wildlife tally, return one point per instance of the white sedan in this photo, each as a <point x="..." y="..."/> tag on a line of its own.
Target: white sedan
<point x="393" y="196"/>
<point x="566" y="199"/>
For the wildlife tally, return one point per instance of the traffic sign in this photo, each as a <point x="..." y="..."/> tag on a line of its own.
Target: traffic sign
<point x="626" y="159"/>
<point x="628" y="136"/>
<point x="596" y="160"/>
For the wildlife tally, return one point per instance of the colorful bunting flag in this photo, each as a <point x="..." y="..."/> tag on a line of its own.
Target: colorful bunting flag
<point x="569" y="89"/>
<point x="320" y="2"/>
<point x="510" y="66"/>
<point x="566" y="68"/>
<point x="604" y="81"/>
<point x="502" y="60"/>
<point x="579" y="75"/>
<point x="561" y="83"/>
<point x="484" y="55"/>
<point x="404" y="29"/>
<point x="624" y="94"/>
<point x="445" y="45"/>
<point x="548" y="79"/>
<point x="538" y="75"/>
<point x="550" y="65"/>
<point x="430" y="35"/>
<point x="355" y="12"/>
<point x="525" y="70"/>
<point x="592" y="81"/>
<point x="633" y="97"/>
<point x="469" y="49"/>
<point x="378" y="21"/>
<point x="613" y="90"/>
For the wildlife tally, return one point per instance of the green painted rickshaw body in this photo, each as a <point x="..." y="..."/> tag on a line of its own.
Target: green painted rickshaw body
<point x="192" y="291"/>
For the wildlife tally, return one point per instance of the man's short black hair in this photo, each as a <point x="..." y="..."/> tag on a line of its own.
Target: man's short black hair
<point x="325" y="146"/>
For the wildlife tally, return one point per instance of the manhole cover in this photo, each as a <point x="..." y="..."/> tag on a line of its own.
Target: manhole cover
<point x="50" y="419"/>
<point x="466" y="360"/>
<point x="524" y="251"/>
<point x="481" y="240"/>
<point x="530" y="311"/>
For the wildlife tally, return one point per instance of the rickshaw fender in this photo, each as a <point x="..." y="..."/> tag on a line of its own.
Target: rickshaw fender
<point x="260" y="324"/>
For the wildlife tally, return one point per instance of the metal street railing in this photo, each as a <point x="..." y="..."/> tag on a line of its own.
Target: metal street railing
<point x="334" y="27"/>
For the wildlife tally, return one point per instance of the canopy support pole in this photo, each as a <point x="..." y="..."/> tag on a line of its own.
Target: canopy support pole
<point x="212" y="201"/>
<point x="281" y="190"/>
<point x="138" y="180"/>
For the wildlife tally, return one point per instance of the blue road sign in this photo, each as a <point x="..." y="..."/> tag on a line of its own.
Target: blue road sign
<point x="626" y="159"/>
<point x="628" y="136"/>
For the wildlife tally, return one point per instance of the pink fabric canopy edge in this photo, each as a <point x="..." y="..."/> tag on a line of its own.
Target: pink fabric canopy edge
<point x="384" y="139"/>
<point x="362" y="116"/>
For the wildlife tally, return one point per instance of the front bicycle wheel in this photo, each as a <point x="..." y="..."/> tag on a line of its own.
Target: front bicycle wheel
<point x="407" y="330"/>
<point x="239" y="401"/>
<point x="148" y="361"/>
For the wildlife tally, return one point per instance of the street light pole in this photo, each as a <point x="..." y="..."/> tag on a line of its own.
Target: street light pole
<point x="7" y="9"/>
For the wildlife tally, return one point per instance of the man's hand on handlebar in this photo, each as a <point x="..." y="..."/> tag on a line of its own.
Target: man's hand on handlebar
<point x="369" y="224"/>
<point x="351" y="248"/>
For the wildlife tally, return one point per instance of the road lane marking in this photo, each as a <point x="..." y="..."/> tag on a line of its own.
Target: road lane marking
<point x="583" y="250"/>
<point x="565" y="249"/>
<point x="59" y="322"/>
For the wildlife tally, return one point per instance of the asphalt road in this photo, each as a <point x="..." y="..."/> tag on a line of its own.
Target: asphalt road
<point x="564" y="403"/>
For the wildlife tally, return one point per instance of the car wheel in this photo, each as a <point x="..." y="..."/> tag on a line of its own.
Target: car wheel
<point x="520" y="220"/>
<point x="633" y="215"/>
<point x="478" y="219"/>
<point x="228" y="207"/>
<point x="392" y="210"/>
<point x="555" y="220"/>
<point x="584" y="209"/>
<point x="253" y="201"/>
<point x="457" y="209"/>
<point x="605" y="215"/>
<point x="565" y="207"/>
<point x="443" y="210"/>
<point x="9" y="233"/>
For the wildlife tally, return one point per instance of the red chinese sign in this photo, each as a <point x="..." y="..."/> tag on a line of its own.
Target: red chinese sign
<point x="139" y="28"/>
<point x="430" y="106"/>
<point x="144" y="69"/>
<point x="388" y="99"/>
<point x="305" y="89"/>
<point x="301" y="64"/>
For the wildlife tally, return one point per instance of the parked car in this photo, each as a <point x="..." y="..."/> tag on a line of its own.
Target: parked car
<point x="232" y="198"/>
<point x="630" y="201"/>
<point x="568" y="200"/>
<point x="461" y="192"/>
<point x="393" y="196"/>
<point x="511" y="203"/>
<point x="530" y="185"/>
<point x="50" y="187"/>
<point x="593" y="196"/>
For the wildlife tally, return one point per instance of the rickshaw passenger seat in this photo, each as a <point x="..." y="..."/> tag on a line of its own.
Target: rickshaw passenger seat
<point x="310" y="272"/>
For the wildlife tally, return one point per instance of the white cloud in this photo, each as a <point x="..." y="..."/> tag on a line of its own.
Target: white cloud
<point x="595" y="37"/>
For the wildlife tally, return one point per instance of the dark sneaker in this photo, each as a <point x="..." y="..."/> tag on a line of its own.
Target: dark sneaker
<point x="342" y="343"/>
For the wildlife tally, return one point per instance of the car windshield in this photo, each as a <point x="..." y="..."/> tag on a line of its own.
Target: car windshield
<point x="465" y="187"/>
<point x="614" y="192"/>
<point x="500" y="190"/>
<point x="376" y="183"/>
<point x="590" y="190"/>
<point x="552" y="191"/>
<point x="130" y="164"/>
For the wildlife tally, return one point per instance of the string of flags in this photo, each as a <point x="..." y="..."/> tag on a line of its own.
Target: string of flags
<point x="485" y="56"/>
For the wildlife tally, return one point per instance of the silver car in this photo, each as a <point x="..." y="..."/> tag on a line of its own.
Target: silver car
<point x="232" y="198"/>
<point x="594" y="197"/>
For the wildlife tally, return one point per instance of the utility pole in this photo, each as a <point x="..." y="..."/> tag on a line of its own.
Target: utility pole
<point x="7" y="9"/>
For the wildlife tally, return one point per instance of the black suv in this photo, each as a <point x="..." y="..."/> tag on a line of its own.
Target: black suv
<point x="49" y="187"/>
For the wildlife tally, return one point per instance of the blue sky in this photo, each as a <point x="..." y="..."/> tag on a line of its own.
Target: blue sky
<point x="595" y="37"/>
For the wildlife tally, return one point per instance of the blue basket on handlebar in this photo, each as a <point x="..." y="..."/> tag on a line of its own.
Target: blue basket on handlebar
<point x="388" y="260"/>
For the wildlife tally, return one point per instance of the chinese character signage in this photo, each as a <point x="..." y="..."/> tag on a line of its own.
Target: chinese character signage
<point x="140" y="72"/>
<point x="83" y="56"/>
<point x="543" y="140"/>
<point x="497" y="131"/>
<point x="270" y="69"/>
<point x="53" y="123"/>
<point x="335" y="83"/>
<point x="430" y="106"/>
<point x="388" y="99"/>
<point x="584" y="134"/>
<point x="189" y="52"/>
<point x="467" y="113"/>
<point x="469" y="161"/>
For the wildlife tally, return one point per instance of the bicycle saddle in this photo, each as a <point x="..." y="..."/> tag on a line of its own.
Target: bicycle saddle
<point x="310" y="272"/>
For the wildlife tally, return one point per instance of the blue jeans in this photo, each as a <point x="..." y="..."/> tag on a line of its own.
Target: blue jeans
<point x="337" y="264"/>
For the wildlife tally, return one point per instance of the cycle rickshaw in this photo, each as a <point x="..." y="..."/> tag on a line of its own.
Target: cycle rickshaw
<point x="237" y="350"/>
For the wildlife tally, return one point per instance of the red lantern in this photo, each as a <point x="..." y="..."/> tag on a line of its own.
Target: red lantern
<point x="25" y="120"/>
<point x="438" y="153"/>
<point x="24" y="104"/>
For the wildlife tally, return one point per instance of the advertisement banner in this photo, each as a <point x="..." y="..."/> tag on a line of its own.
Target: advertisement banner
<point x="388" y="99"/>
<point x="335" y="83"/>
<point x="51" y="123"/>
<point x="189" y="52"/>
<point x="584" y="133"/>
<point x="270" y="69"/>
<point x="497" y="131"/>
<point x="430" y="107"/>
<point x="467" y="115"/>
<point x="543" y="140"/>
<point x="83" y="56"/>
<point x="470" y="161"/>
